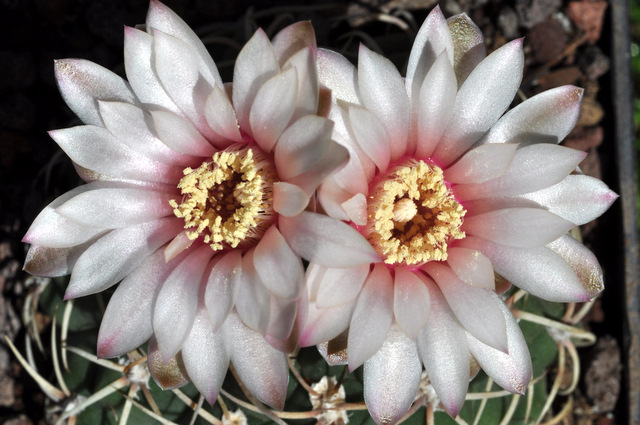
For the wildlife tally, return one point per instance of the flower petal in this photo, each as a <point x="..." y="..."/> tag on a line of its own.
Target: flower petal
<point x="282" y="318"/>
<point x="256" y="63"/>
<point x="340" y="285"/>
<point x="302" y="145"/>
<point x="326" y="241"/>
<point x="339" y="75"/>
<point x="205" y="357"/>
<point x="475" y="308"/>
<point x="273" y="108"/>
<point x="218" y="295"/>
<point x="533" y="168"/>
<point x="117" y="254"/>
<point x="539" y="271"/>
<point x="518" y="227"/>
<point x="116" y="207"/>
<point x="168" y="375"/>
<point x="82" y="83"/>
<point x="324" y="324"/>
<point x="372" y="317"/>
<point x="221" y="116"/>
<point x="482" y="164"/>
<point x="98" y="150"/>
<point x="483" y="97"/>
<point x="383" y="93"/>
<point x="262" y="368"/>
<point x="371" y="136"/>
<point x="356" y="209"/>
<point x="577" y="198"/>
<point x="175" y="307"/>
<point x="304" y="61"/>
<point x="545" y="118"/>
<point x="278" y="267"/>
<point x="253" y="301"/>
<point x="434" y="105"/>
<point x="52" y="262"/>
<point x="411" y="303"/>
<point x="471" y="267"/>
<point x="288" y="199"/>
<point x="442" y="344"/>
<point x="293" y="38"/>
<point x="582" y="261"/>
<point x="392" y="378"/>
<point x="469" y="49"/>
<point x="511" y="371"/>
<point x="180" y="135"/>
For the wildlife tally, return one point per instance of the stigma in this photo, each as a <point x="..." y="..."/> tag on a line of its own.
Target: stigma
<point x="228" y="201"/>
<point x="413" y="215"/>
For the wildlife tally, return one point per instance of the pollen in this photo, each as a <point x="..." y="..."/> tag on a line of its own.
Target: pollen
<point x="413" y="215"/>
<point x="228" y="201"/>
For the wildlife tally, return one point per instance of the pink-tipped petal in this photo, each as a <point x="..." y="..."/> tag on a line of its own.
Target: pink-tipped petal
<point x="472" y="267"/>
<point x="262" y="368"/>
<point x="511" y="371"/>
<point x="372" y="317"/>
<point x="475" y="308"/>
<point x="326" y="241"/>
<point x="205" y="357"/>
<point x="411" y="305"/>
<point x="392" y="378"/>
<point x="356" y="209"/>
<point x="383" y="93"/>
<point x="443" y="347"/>
<point x="481" y="164"/>
<point x="518" y="227"/>
<point x="279" y="268"/>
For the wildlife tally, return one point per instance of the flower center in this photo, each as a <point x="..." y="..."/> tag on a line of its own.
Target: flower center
<point x="413" y="215"/>
<point x="228" y="200"/>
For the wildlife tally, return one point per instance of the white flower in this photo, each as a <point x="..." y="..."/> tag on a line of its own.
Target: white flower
<point x="187" y="179"/>
<point x="445" y="187"/>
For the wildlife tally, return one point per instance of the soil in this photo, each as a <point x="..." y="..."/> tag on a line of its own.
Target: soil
<point x="564" y="45"/>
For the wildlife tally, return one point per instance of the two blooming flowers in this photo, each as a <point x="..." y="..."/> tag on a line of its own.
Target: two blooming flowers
<point x="413" y="199"/>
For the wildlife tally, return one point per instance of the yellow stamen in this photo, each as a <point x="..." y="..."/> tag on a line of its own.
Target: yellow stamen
<point x="228" y="200"/>
<point x="412" y="215"/>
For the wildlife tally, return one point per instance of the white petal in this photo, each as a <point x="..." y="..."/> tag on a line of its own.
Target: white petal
<point x="411" y="303"/>
<point x="324" y="324"/>
<point x="382" y="92"/>
<point x="442" y="344"/>
<point x="304" y="62"/>
<point x="140" y="70"/>
<point x="356" y="209"/>
<point x="371" y="136"/>
<point x="475" y="308"/>
<point x="472" y="267"/>
<point x="533" y="168"/>
<point x="251" y="297"/>
<point x="392" y="378"/>
<point x="302" y="145"/>
<point x="205" y="357"/>
<point x="481" y="164"/>
<point x="116" y="207"/>
<point x="273" y="108"/>
<point x="53" y="262"/>
<point x="293" y="38"/>
<point x="132" y="126"/>
<point x="168" y="375"/>
<point x="218" y="295"/>
<point x="511" y="371"/>
<point x="469" y="49"/>
<point x="161" y="17"/>
<point x="288" y="199"/>
<point x="332" y="197"/>
<point x="326" y="241"/>
<point x="180" y="135"/>
<point x="483" y="97"/>
<point x="117" y="254"/>
<point x="338" y="74"/>
<point x="281" y="320"/>
<point x="577" y="198"/>
<point x="545" y="118"/>
<point x="333" y="159"/>
<point x="278" y="267"/>
<point x="434" y="105"/>
<point x="539" y="271"/>
<point x="256" y="63"/>
<point x="340" y="286"/>
<point x="372" y="317"/>
<point x="518" y="227"/>
<point x="83" y="83"/>
<point x="127" y="321"/>
<point x="177" y="302"/>
<point x="262" y="368"/>
<point x="98" y="150"/>
<point x="582" y="261"/>
<point x="221" y="116"/>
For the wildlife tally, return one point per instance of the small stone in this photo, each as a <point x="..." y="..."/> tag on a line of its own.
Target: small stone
<point x="591" y="113"/>
<point x="593" y="62"/>
<point x="588" y="15"/>
<point x="547" y="41"/>
<point x="508" y="23"/>
<point x="603" y="376"/>
<point x="532" y="12"/>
